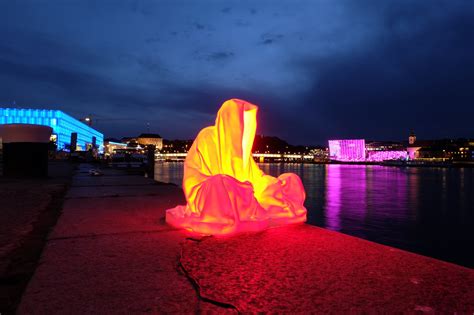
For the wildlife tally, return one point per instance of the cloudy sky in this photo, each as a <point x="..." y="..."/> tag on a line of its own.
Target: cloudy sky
<point x="317" y="69"/>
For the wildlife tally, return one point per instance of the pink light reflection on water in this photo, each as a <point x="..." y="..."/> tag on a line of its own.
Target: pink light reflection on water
<point x="333" y="197"/>
<point x="362" y="198"/>
<point x="346" y="196"/>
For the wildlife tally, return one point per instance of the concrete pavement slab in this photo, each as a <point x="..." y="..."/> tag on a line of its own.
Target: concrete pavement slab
<point x="115" y="255"/>
<point x="119" y="274"/>
<point x="83" y="170"/>
<point x="29" y="209"/>
<point x="156" y="189"/>
<point x="126" y="180"/>
<point x="97" y="216"/>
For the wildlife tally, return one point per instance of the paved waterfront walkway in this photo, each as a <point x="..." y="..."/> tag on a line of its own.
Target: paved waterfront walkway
<point x="111" y="252"/>
<point x="29" y="208"/>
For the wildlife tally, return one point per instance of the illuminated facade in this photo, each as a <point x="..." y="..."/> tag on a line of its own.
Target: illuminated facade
<point x="379" y="151"/>
<point x="150" y="139"/>
<point x="380" y="156"/>
<point x="63" y="126"/>
<point x="110" y="147"/>
<point x="347" y="150"/>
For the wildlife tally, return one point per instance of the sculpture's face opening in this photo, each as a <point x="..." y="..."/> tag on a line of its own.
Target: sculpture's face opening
<point x="250" y="127"/>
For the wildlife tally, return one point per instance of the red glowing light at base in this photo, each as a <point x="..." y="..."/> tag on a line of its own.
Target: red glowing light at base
<point x="226" y="192"/>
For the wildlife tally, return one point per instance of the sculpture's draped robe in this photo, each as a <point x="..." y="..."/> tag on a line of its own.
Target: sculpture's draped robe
<point x="225" y="190"/>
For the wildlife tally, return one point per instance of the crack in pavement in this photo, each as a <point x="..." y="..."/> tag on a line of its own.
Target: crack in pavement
<point x="196" y="285"/>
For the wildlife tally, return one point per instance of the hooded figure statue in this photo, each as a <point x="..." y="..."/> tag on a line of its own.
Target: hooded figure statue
<point x="225" y="190"/>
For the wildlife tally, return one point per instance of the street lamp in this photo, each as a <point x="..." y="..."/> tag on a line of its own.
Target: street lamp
<point x="88" y="121"/>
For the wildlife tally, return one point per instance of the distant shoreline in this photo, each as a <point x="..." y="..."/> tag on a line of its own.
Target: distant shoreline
<point x="395" y="163"/>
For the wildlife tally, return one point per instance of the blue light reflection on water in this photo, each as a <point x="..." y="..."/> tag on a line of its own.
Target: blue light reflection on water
<point x="425" y="210"/>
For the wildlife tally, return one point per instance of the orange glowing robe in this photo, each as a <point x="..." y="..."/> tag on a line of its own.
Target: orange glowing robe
<point x="226" y="192"/>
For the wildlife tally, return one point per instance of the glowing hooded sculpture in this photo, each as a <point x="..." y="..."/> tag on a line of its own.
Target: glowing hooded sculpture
<point x="226" y="192"/>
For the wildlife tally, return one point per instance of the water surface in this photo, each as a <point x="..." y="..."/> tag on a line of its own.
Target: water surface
<point x="425" y="210"/>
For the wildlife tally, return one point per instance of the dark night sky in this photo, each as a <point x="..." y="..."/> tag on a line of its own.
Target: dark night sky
<point x="317" y="69"/>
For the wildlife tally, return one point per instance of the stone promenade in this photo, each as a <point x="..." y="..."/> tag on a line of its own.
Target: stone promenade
<point x="112" y="253"/>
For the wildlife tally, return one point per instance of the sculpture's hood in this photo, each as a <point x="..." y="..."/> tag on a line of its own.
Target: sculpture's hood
<point x="224" y="148"/>
<point x="236" y="124"/>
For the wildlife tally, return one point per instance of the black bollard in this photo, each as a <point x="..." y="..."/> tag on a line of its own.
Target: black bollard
<point x="25" y="150"/>
<point x="150" y="168"/>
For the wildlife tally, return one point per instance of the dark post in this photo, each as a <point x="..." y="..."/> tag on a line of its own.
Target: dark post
<point x="25" y="150"/>
<point x="150" y="169"/>
<point x="73" y="144"/>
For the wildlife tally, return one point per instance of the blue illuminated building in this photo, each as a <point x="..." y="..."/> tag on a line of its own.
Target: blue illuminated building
<point x="63" y="125"/>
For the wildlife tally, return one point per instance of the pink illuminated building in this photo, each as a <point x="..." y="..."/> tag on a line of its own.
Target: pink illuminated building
<point x="355" y="150"/>
<point x="347" y="150"/>
<point x="379" y="156"/>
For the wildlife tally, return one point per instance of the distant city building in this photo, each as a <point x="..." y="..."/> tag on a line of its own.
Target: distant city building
<point x="413" y="146"/>
<point x="440" y="150"/>
<point x="413" y="153"/>
<point x="128" y="139"/>
<point x="380" y="156"/>
<point x="111" y="146"/>
<point x="445" y="150"/>
<point x="356" y="150"/>
<point x="384" y="146"/>
<point x="176" y="146"/>
<point x="412" y="138"/>
<point x="150" y="139"/>
<point x="64" y="126"/>
<point x="320" y="154"/>
<point x="349" y="150"/>
<point x="378" y="151"/>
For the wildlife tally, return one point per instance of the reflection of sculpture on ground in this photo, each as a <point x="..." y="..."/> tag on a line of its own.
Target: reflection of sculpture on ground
<point x="225" y="190"/>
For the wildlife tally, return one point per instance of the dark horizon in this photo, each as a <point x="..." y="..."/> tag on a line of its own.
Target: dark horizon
<point x="318" y="71"/>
